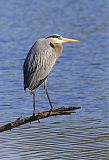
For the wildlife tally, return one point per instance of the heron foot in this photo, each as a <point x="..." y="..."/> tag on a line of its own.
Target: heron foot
<point x="33" y="114"/>
<point x="51" y="110"/>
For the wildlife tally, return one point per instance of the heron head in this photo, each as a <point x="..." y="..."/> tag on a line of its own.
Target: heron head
<point x="55" y="38"/>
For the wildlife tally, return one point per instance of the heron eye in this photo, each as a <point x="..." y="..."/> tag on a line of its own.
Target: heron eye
<point x="59" y="38"/>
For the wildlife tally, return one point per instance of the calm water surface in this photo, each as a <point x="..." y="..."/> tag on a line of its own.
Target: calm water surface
<point x="80" y="78"/>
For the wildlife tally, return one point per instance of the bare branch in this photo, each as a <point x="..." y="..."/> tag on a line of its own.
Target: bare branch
<point x="40" y="115"/>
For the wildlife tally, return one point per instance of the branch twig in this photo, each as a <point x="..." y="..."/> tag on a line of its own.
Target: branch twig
<point x="38" y="116"/>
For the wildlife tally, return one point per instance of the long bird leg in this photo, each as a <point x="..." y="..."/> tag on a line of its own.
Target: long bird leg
<point x="46" y="91"/>
<point x="34" y="95"/>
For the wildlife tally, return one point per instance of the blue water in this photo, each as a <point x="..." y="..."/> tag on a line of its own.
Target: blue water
<point x="80" y="78"/>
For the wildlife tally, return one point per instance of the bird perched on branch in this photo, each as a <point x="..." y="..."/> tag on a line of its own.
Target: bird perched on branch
<point x="40" y="61"/>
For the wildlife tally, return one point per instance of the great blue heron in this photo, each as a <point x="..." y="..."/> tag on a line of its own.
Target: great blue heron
<point x="40" y="61"/>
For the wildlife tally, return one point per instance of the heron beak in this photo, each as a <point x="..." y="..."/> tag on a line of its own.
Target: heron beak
<point x="69" y="40"/>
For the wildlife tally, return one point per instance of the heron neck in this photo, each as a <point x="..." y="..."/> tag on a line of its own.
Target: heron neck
<point x="58" y="49"/>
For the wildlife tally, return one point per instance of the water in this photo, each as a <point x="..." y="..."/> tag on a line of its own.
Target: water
<point x="80" y="78"/>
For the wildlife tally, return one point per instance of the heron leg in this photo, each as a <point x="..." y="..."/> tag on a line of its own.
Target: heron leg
<point x="46" y="91"/>
<point x="34" y="95"/>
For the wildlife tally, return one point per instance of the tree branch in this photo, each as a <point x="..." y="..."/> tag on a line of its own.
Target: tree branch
<point x="40" y="115"/>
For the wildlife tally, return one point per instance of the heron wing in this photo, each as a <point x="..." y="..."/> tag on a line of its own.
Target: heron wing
<point x="38" y="64"/>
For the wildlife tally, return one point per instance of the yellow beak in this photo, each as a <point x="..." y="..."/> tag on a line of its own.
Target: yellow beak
<point x="69" y="40"/>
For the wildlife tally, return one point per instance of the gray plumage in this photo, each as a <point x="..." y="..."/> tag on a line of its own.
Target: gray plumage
<point x="40" y="61"/>
<point x="38" y="64"/>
